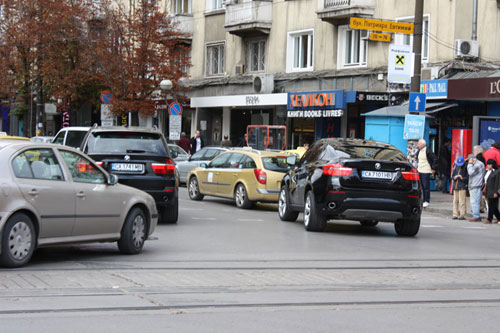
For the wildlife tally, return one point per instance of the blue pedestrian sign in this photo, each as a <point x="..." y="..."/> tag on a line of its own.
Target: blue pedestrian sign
<point x="417" y="102"/>
<point x="175" y="109"/>
<point x="414" y="127"/>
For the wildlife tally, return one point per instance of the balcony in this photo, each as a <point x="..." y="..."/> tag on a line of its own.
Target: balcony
<point x="249" y="18"/>
<point x="184" y="23"/>
<point x="338" y="11"/>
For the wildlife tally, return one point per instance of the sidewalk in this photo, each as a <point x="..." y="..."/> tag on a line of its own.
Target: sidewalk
<point x="442" y="203"/>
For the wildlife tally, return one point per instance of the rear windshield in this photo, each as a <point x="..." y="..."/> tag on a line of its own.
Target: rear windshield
<point x="74" y="138"/>
<point x="361" y="152"/>
<point x="125" y="143"/>
<point x="275" y="163"/>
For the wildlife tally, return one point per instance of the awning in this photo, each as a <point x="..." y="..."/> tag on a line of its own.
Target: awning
<point x="441" y="108"/>
<point x="402" y="110"/>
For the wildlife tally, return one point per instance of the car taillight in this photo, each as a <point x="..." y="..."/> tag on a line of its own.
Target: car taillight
<point x="336" y="169"/>
<point x="260" y="175"/>
<point x="99" y="163"/>
<point x="167" y="168"/>
<point x="411" y="175"/>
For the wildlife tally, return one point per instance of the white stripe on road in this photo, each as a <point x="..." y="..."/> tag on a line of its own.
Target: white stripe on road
<point x="251" y="220"/>
<point x="474" y="227"/>
<point x="431" y="226"/>
<point x="185" y="208"/>
<point x="203" y="218"/>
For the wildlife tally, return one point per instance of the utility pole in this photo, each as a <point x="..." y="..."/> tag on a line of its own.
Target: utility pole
<point x="417" y="45"/>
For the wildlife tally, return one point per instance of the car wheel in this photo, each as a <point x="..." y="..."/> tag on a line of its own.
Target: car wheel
<point x="313" y="220"/>
<point x="18" y="241"/>
<point x="170" y="214"/>
<point x="133" y="233"/>
<point x="368" y="223"/>
<point x="284" y="209"/>
<point x="407" y="227"/>
<point x="194" y="189"/>
<point x="241" y="197"/>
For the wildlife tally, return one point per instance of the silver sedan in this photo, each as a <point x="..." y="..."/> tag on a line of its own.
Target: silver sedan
<point x="52" y="194"/>
<point x="204" y="155"/>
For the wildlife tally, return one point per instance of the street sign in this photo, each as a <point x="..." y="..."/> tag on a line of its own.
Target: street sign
<point x="107" y="117"/>
<point x="381" y="25"/>
<point x="106" y="97"/>
<point x="175" y="109"/>
<point x="400" y="67"/>
<point x="174" y="127"/>
<point x="378" y="37"/>
<point x="417" y="102"/>
<point x="414" y="127"/>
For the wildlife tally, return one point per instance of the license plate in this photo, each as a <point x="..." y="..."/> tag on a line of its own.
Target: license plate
<point x="127" y="167"/>
<point x="377" y="174"/>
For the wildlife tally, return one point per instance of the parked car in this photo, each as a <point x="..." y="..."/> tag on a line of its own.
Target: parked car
<point x="204" y="155"/>
<point x="71" y="136"/>
<point x="352" y="179"/>
<point x="141" y="158"/>
<point x="47" y="139"/>
<point x="245" y="175"/>
<point x="179" y="153"/>
<point x="56" y="195"/>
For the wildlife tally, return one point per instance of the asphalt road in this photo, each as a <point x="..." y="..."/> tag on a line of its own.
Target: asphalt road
<point x="222" y="269"/>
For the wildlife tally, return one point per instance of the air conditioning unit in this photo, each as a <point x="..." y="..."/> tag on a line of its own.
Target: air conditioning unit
<point x="263" y="83"/>
<point x="239" y="69"/>
<point x="430" y="73"/>
<point x="466" y="49"/>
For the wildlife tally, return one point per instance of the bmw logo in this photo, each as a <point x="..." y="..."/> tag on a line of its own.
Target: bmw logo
<point x="127" y="158"/>
<point x="377" y="166"/>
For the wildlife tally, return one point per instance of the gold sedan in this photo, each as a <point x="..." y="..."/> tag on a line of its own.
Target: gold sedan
<point x="245" y="175"/>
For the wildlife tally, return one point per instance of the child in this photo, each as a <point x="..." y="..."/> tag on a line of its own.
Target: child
<point x="459" y="186"/>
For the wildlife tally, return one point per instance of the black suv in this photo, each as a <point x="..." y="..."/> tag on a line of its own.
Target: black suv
<point x="140" y="158"/>
<point x="352" y="179"/>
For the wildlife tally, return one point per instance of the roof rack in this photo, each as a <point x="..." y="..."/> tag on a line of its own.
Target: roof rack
<point x="247" y="148"/>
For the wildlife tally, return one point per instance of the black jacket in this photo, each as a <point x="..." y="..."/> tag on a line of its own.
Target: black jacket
<point x="460" y="184"/>
<point x="431" y="158"/>
<point x="193" y="144"/>
<point x="480" y="157"/>
<point x="444" y="161"/>
<point x="492" y="184"/>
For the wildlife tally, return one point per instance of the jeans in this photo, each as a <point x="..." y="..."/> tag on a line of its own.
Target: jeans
<point x="425" y="180"/>
<point x="475" y="201"/>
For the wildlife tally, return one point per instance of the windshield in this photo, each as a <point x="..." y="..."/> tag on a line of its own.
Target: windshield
<point x="125" y="143"/>
<point x="361" y="152"/>
<point x="275" y="163"/>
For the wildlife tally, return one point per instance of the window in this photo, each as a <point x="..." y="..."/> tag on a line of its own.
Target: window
<point x="403" y="39"/>
<point x="219" y="161"/>
<point x="300" y="51"/>
<point x="215" y="59"/>
<point x="211" y="153"/>
<point x="214" y="4"/>
<point x="248" y="163"/>
<point x="234" y="161"/>
<point x="353" y="47"/>
<point x="182" y="6"/>
<point x="82" y="170"/>
<point x="256" y="56"/>
<point x="38" y="164"/>
<point x="125" y="143"/>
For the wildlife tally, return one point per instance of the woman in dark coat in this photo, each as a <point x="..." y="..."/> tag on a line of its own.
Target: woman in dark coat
<point x="492" y="189"/>
<point x="445" y="165"/>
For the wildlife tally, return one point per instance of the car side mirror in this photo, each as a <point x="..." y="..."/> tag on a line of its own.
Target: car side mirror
<point x="204" y="165"/>
<point x="291" y="160"/>
<point x="112" y="179"/>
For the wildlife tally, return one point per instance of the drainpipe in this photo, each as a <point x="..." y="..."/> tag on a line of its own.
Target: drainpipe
<point x="474" y="20"/>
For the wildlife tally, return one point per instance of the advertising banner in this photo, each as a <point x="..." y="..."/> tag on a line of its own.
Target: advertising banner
<point x="400" y="68"/>
<point x="414" y="127"/>
<point x="489" y="133"/>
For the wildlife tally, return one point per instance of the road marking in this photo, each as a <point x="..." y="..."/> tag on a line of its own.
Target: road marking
<point x="474" y="227"/>
<point x="203" y="218"/>
<point x="431" y="226"/>
<point x="185" y="208"/>
<point x="250" y="220"/>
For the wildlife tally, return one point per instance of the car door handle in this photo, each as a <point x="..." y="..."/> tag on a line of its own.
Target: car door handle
<point x="33" y="192"/>
<point x="235" y="175"/>
<point x="81" y="194"/>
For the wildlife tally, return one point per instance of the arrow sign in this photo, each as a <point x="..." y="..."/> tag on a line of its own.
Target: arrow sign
<point x="417" y="102"/>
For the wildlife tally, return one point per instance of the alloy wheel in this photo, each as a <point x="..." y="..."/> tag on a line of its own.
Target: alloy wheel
<point x="193" y="188"/>
<point x="240" y="195"/>
<point x="20" y="240"/>
<point x="307" y="210"/>
<point x="138" y="231"/>
<point x="282" y="203"/>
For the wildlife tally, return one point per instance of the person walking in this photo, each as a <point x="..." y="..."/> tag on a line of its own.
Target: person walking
<point x="459" y="187"/>
<point x="445" y="165"/>
<point x="226" y="143"/>
<point x="184" y="142"/>
<point x="426" y="166"/>
<point x="491" y="190"/>
<point x="196" y="142"/>
<point x="476" y="171"/>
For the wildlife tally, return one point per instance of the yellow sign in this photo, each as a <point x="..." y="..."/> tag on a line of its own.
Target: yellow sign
<point x="380" y="25"/>
<point x="400" y="59"/>
<point x="380" y="37"/>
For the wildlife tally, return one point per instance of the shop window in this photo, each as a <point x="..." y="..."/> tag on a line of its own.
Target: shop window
<point x="182" y="6"/>
<point x="404" y="39"/>
<point x="256" y="56"/>
<point x="300" y="49"/>
<point x="352" y="48"/>
<point x="215" y="59"/>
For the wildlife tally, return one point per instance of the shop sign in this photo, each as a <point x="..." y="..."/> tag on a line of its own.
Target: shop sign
<point x="400" y="67"/>
<point x="381" y="25"/>
<point x="435" y="89"/>
<point x="414" y="127"/>
<point x="315" y="113"/>
<point x="315" y="104"/>
<point x="378" y="37"/>
<point x="489" y="134"/>
<point x="372" y="97"/>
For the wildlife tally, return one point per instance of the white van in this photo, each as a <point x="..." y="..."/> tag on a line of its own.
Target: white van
<point x="71" y="136"/>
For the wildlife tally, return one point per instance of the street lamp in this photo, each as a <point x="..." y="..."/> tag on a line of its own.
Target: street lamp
<point x="166" y="85"/>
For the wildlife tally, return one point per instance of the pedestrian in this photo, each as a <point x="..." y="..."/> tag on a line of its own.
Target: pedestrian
<point x="459" y="187"/>
<point x="196" y="142"/>
<point x="445" y="165"/>
<point x="426" y="166"/>
<point x="306" y="146"/>
<point x="476" y="171"/>
<point x="184" y="142"/>
<point x="226" y="142"/>
<point x="491" y="190"/>
<point x="478" y="152"/>
<point x="493" y="153"/>
<point x="243" y="142"/>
